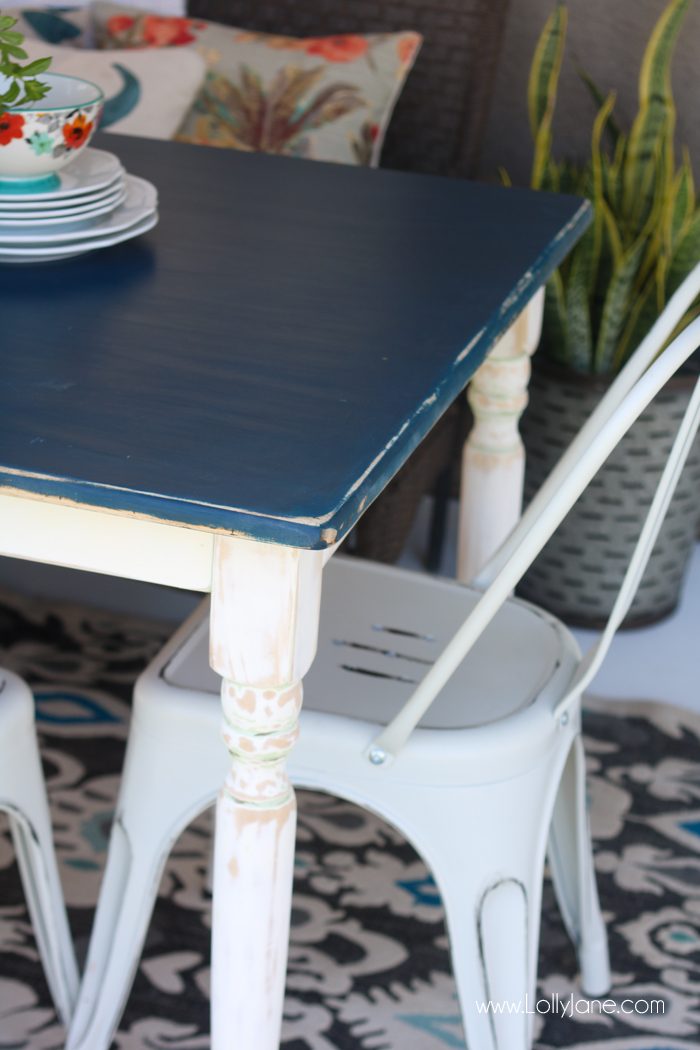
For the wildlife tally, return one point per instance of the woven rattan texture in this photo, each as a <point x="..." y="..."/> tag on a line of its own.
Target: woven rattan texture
<point x="580" y="571"/>
<point x="439" y="120"/>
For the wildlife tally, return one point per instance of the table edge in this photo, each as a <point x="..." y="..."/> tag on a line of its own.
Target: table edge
<point x="324" y="531"/>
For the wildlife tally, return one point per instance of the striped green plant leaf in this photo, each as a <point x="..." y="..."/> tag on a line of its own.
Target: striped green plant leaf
<point x="611" y="181"/>
<point x="692" y="313"/>
<point x="612" y="170"/>
<point x="642" y="315"/>
<point x="612" y="238"/>
<point x="542" y="160"/>
<point x="686" y="254"/>
<point x="611" y="253"/>
<point x="601" y="121"/>
<point x="660" y="275"/>
<point x="572" y="179"/>
<point x="598" y="189"/>
<point x="546" y="66"/>
<point x="662" y="234"/>
<point x="551" y="175"/>
<point x="554" y="319"/>
<point x="687" y="164"/>
<point x="542" y="89"/>
<point x="682" y="198"/>
<point x="616" y="307"/>
<point x="599" y="97"/>
<point x="651" y="190"/>
<point x="653" y="126"/>
<point x="579" y="339"/>
<point x="656" y="230"/>
<point x="617" y="172"/>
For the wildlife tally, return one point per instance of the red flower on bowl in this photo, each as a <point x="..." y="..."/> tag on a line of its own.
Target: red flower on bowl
<point x="11" y="127"/>
<point x="345" y="48"/>
<point x="77" y="132"/>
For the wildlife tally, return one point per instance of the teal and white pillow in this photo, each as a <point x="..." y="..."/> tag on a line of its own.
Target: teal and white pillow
<point x="65" y="26"/>
<point x="147" y="93"/>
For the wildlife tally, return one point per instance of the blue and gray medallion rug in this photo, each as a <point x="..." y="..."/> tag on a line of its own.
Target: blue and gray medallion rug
<point x="369" y="967"/>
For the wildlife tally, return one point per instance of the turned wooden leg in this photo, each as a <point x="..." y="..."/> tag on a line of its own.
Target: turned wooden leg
<point x="264" y="625"/>
<point x="493" y="461"/>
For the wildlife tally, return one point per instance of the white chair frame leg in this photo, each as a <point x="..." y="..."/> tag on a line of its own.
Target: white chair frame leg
<point x="23" y="798"/>
<point x="573" y="875"/>
<point x="494" y="929"/>
<point x="164" y="787"/>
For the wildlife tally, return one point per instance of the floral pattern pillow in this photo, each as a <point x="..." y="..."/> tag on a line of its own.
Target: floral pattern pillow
<point x="327" y="98"/>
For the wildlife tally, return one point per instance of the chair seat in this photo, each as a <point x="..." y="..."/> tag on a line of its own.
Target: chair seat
<point x="380" y="631"/>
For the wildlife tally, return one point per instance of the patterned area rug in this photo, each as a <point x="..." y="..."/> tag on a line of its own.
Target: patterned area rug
<point x="369" y="967"/>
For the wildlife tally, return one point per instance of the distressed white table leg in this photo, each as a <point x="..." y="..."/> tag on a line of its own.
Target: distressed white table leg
<point x="493" y="460"/>
<point x="264" y="625"/>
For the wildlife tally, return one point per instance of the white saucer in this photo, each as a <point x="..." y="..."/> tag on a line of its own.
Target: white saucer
<point x="68" y="251"/>
<point x="24" y="208"/>
<point x="51" y="217"/>
<point x="141" y="200"/>
<point x="93" y="170"/>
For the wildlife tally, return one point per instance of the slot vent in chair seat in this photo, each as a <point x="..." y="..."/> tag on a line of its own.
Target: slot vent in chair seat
<point x="391" y="653"/>
<point x="379" y="674"/>
<point x="403" y="633"/>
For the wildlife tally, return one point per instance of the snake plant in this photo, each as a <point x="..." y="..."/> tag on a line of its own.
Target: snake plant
<point x="645" y="235"/>
<point x="18" y="85"/>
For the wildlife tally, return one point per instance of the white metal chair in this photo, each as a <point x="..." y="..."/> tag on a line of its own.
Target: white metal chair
<point x="472" y="750"/>
<point x="23" y="798"/>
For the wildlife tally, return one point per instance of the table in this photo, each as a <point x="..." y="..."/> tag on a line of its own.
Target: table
<point x="213" y="407"/>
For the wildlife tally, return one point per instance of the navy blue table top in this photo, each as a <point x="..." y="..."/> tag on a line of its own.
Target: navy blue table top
<point x="270" y="354"/>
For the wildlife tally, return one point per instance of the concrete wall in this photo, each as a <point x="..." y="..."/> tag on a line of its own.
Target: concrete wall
<point x="607" y="38"/>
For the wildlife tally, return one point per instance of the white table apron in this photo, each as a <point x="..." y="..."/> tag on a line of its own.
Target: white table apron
<point x="264" y="628"/>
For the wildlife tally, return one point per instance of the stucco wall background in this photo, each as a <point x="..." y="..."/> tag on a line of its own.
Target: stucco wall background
<point x="605" y="37"/>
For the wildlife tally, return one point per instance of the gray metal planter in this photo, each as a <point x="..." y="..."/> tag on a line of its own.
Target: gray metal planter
<point x="580" y="570"/>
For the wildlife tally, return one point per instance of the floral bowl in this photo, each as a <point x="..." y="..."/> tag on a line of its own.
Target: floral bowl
<point x="40" y="138"/>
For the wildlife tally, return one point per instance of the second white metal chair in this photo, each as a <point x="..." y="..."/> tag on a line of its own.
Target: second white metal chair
<point x="471" y="748"/>
<point x="23" y="798"/>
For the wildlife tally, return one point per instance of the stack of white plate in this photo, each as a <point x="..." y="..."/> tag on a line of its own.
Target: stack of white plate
<point x="97" y="204"/>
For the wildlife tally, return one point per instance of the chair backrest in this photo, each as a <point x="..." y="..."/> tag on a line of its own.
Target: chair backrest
<point x="635" y="387"/>
<point x="439" y="119"/>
